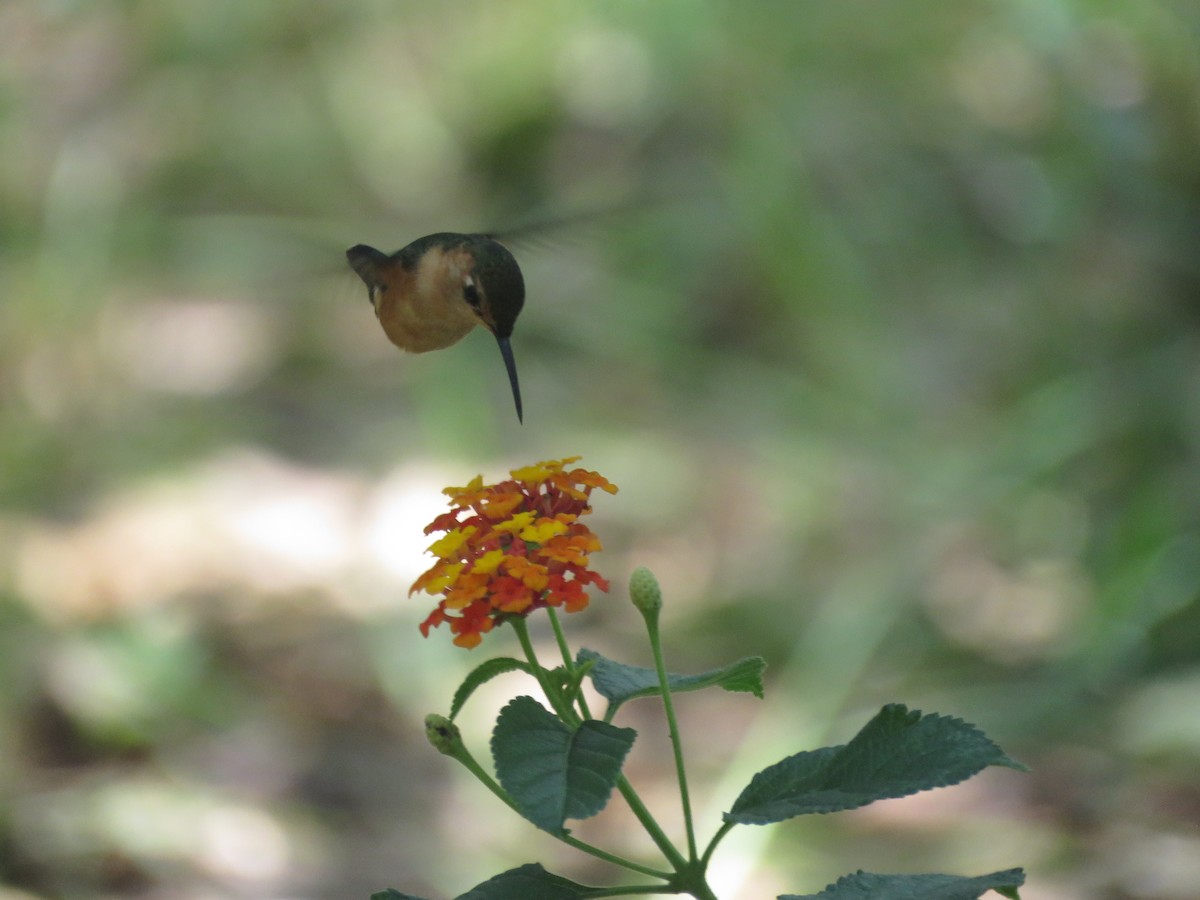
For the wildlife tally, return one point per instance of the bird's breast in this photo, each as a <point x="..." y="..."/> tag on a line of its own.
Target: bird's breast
<point x="423" y="309"/>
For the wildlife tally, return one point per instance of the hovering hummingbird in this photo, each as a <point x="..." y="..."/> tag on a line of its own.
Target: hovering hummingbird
<point x="429" y="294"/>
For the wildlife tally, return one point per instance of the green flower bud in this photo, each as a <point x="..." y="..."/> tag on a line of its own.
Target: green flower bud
<point x="443" y="734"/>
<point x="644" y="590"/>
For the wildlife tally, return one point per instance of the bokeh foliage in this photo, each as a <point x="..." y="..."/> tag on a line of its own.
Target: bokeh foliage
<point x="888" y="332"/>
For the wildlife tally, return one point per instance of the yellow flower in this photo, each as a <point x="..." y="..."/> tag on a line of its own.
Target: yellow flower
<point x="488" y="563"/>
<point x="542" y="531"/>
<point x="516" y="523"/>
<point x="463" y="495"/>
<point x="540" y="472"/>
<point x="447" y="547"/>
<point x="441" y="578"/>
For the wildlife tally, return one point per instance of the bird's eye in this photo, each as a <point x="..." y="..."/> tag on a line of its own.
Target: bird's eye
<point x="471" y="293"/>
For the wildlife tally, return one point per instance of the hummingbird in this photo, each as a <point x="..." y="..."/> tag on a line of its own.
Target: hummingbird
<point x="429" y="294"/>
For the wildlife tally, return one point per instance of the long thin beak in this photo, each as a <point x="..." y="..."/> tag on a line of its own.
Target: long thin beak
<point x="511" y="365"/>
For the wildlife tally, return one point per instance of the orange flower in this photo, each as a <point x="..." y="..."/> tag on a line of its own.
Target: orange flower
<point x="511" y="548"/>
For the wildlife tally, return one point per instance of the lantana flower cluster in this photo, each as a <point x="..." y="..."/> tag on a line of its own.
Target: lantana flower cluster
<point x="511" y="548"/>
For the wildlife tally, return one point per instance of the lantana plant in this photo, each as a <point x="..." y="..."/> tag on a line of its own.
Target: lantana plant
<point x="512" y="548"/>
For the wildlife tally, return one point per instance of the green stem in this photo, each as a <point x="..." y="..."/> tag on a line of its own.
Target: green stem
<point x="554" y="696"/>
<point x="692" y="882"/>
<point x="631" y="890"/>
<point x="559" y="636"/>
<point x="468" y="761"/>
<point x="567" y="714"/>
<point x="631" y="865"/>
<point x="674" y="857"/>
<point x="568" y="662"/>
<point x="651" y="618"/>
<point x="569" y="718"/>
<point x="725" y="828"/>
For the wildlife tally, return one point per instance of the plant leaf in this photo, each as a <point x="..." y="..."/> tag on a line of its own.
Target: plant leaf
<point x="896" y="754"/>
<point x="618" y="682"/>
<point x="868" y="886"/>
<point x="552" y="773"/>
<point x="481" y="675"/>
<point x="522" y="883"/>
<point x="528" y="882"/>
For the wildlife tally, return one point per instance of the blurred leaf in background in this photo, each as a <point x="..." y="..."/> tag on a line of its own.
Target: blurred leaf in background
<point x="895" y="356"/>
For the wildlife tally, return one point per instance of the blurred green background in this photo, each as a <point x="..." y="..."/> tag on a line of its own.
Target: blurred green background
<point x="889" y="332"/>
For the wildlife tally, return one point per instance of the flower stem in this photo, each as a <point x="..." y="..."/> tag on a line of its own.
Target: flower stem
<point x="565" y="649"/>
<point x="462" y="755"/>
<point x="650" y="614"/>
<point x="559" y="636"/>
<point x="567" y="714"/>
<point x="563" y="710"/>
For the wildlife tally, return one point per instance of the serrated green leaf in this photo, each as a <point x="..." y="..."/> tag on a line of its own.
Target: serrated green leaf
<point x="869" y="886"/>
<point x="618" y="682"/>
<point x="528" y="882"/>
<point x="393" y="894"/>
<point x="896" y="754"/>
<point x="481" y="675"/>
<point x="551" y="772"/>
